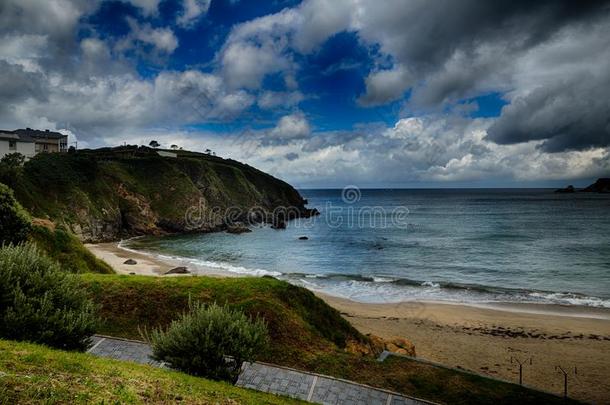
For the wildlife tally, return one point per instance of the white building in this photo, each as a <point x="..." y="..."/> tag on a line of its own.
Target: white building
<point x="16" y="143"/>
<point x="30" y="142"/>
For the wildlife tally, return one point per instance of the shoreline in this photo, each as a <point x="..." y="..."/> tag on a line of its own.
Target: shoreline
<point x="150" y="264"/>
<point x="147" y="264"/>
<point x="477" y="338"/>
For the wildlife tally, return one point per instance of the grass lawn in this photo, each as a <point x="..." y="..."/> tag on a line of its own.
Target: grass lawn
<point x="33" y="374"/>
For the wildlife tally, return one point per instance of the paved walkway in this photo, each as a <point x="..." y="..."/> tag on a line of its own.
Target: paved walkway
<point x="269" y="378"/>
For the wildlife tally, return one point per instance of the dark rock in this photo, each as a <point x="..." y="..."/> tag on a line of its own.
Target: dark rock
<point x="238" y="229"/>
<point x="568" y="189"/>
<point x="308" y="213"/>
<point x="278" y="224"/>
<point x="178" y="270"/>
<point x="130" y="262"/>
<point x="303" y="238"/>
<point x="600" y="186"/>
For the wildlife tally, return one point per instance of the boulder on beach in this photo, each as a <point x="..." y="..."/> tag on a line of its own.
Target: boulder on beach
<point x="130" y="262"/>
<point x="400" y="346"/>
<point x="178" y="270"/>
<point x="377" y="344"/>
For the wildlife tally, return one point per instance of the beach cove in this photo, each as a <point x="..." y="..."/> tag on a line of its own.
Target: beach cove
<point x="473" y="338"/>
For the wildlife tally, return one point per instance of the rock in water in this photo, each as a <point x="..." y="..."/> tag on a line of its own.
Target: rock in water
<point x="303" y="238"/>
<point x="568" y="189"/>
<point x="279" y="224"/>
<point x="178" y="270"/>
<point x="130" y="262"/>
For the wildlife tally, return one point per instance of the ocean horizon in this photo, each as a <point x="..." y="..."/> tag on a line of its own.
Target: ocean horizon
<point x="471" y="246"/>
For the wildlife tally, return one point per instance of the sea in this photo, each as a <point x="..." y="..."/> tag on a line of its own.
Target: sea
<point x="470" y="246"/>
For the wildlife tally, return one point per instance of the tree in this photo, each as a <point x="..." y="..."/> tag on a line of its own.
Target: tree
<point x="15" y="159"/>
<point x="15" y="223"/>
<point x="174" y="147"/>
<point x="154" y="144"/>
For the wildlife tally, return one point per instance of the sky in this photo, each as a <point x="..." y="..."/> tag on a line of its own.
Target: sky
<point x="325" y="93"/>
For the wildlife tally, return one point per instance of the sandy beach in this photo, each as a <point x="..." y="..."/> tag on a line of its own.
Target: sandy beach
<point x="477" y="339"/>
<point x="484" y="339"/>
<point x="146" y="264"/>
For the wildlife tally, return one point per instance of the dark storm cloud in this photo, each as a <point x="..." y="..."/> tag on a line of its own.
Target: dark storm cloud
<point x="567" y="116"/>
<point x="550" y="58"/>
<point x="446" y="26"/>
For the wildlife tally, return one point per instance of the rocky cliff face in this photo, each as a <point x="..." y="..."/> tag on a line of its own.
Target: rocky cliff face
<point x="108" y="194"/>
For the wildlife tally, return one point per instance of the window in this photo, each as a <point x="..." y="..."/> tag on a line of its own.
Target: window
<point x="12" y="145"/>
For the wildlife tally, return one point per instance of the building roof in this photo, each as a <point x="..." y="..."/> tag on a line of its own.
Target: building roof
<point x="38" y="134"/>
<point x="11" y="136"/>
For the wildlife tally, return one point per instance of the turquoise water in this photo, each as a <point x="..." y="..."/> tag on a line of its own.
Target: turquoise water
<point x="474" y="246"/>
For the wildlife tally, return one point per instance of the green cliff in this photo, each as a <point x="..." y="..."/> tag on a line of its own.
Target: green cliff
<point x="112" y="193"/>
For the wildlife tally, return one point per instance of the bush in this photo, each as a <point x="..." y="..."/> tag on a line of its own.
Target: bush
<point x="15" y="222"/>
<point x="199" y="340"/>
<point x="40" y="303"/>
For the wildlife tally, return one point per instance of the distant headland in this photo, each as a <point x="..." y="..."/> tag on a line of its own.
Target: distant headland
<point x="602" y="185"/>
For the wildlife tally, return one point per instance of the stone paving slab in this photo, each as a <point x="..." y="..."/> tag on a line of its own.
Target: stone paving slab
<point x="268" y="378"/>
<point x="120" y="349"/>
<point x="316" y="388"/>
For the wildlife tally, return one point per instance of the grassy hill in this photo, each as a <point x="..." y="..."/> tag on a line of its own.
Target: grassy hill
<point x="33" y="374"/>
<point x="106" y="194"/>
<point x="301" y="325"/>
<point x="305" y="333"/>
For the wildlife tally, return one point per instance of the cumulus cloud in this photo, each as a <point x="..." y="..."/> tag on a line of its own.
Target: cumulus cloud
<point x="431" y="148"/>
<point x="245" y="65"/>
<point x="385" y="85"/>
<point x="192" y="10"/>
<point x="162" y="39"/>
<point x="148" y="7"/>
<point x="278" y="99"/>
<point x="293" y="126"/>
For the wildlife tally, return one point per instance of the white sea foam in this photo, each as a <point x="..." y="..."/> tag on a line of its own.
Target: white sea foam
<point x="234" y="269"/>
<point x="430" y="284"/>
<point x="570" y="299"/>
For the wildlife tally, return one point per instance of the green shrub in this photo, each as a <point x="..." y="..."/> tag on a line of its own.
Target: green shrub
<point x="40" y="303"/>
<point x="15" y="223"/>
<point x="199" y="340"/>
